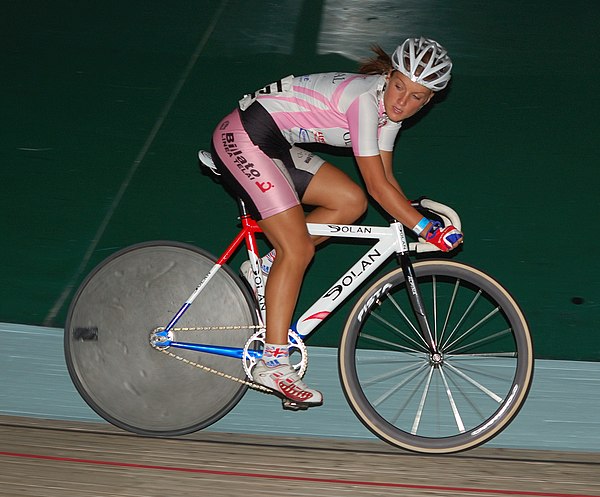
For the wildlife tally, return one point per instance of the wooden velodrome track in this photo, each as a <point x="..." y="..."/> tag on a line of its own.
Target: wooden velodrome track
<point x="64" y="459"/>
<point x="52" y="444"/>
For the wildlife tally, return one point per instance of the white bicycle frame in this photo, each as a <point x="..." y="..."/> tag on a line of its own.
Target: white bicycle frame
<point x="390" y="240"/>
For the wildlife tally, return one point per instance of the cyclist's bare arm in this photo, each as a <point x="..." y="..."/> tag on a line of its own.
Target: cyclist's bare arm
<point x="388" y="166"/>
<point x="386" y="193"/>
<point x="377" y="173"/>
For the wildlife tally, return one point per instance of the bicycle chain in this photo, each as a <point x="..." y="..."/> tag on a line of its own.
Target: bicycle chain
<point x="202" y="367"/>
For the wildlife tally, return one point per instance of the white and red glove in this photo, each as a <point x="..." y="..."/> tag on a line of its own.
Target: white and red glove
<point x="443" y="238"/>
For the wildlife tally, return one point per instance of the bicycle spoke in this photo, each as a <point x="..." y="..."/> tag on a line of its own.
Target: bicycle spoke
<point x="409" y="357"/>
<point x="472" y="328"/>
<point x="388" y="375"/>
<point x="397" y="387"/>
<point x="387" y="342"/>
<point x="474" y="366"/>
<point x="450" y="307"/>
<point x="470" y="399"/>
<point x="410" y="323"/>
<point x="419" y="413"/>
<point x="408" y="398"/>
<point x="457" y="418"/>
<point x="419" y="346"/>
<point x="484" y="355"/>
<point x="490" y="338"/>
<point x="463" y="317"/>
<point x="435" y="305"/>
<point x="475" y="383"/>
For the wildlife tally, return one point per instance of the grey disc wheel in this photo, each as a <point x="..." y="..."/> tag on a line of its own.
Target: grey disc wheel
<point x="107" y="339"/>
<point x="437" y="404"/>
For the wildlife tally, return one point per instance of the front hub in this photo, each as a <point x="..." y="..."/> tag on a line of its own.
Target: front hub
<point x="436" y="359"/>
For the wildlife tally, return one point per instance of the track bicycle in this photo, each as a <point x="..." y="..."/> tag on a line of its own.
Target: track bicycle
<point x="435" y="356"/>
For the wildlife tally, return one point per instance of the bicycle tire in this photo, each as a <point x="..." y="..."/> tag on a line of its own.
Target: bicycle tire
<point x="107" y="339"/>
<point x="414" y="401"/>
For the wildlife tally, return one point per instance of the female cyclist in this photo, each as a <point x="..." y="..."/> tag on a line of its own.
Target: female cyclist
<point x="255" y="148"/>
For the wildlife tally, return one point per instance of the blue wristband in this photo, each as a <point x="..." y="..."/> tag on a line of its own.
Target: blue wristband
<point x="421" y="225"/>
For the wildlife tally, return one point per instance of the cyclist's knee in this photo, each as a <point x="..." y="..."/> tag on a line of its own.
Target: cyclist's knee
<point x="353" y="202"/>
<point x="305" y="252"/>
<point x="298" y="253"/>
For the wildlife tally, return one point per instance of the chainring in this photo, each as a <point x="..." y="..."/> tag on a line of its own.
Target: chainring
<point x="257" y="343"/>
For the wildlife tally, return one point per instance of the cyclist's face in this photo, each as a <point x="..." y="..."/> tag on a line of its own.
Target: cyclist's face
<point x="404" y="98"/>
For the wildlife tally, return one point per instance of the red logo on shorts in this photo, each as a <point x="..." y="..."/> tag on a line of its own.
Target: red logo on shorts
<point x="265" y="186"/>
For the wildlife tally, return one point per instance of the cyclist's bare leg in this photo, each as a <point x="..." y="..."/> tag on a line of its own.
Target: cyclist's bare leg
<point x="288" y="235"/>
<point x="336" y="197"/>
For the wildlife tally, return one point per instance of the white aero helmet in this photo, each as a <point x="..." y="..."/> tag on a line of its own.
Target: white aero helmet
<point x="424" y="61"/>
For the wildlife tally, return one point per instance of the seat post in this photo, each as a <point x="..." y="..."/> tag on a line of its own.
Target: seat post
<point x="242" y="206"/>
<point x="243" y="210"/>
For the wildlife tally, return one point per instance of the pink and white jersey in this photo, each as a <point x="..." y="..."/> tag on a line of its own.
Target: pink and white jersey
<point x="338" y="109"/>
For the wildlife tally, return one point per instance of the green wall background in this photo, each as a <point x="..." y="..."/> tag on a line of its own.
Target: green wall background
<point x="104" y="105"/>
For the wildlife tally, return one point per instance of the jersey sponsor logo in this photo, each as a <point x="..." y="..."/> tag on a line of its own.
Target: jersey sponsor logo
<point x="318" y="136"/>
<point x="338" y="77"/>
<point x="303" y="135"/>
<point x="347" y="139"/>
<point x="306" y="157"/>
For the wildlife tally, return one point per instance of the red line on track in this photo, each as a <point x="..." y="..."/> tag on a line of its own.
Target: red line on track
<point x="290" y="478"/>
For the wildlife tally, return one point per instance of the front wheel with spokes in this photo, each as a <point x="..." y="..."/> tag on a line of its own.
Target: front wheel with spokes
<point x="449" y="401"/>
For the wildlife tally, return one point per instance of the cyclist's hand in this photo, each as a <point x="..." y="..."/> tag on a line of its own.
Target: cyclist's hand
<point x="445" y="239"/>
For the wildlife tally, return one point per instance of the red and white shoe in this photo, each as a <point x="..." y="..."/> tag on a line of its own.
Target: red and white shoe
<point x="284" y="382"/>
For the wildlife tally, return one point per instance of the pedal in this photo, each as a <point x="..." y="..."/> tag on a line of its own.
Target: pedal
<point x="291" y="405"/>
